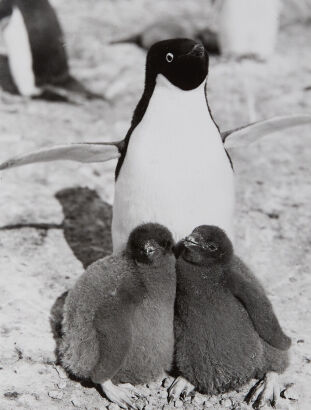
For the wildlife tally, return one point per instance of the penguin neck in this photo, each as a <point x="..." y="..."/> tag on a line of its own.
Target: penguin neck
<point x="199" y="279"/>
<point x="165" y="282"/>
<point x="167" y="93"/>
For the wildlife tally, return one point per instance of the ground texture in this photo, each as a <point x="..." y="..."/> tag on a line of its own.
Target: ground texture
<point x="273" y="185"/>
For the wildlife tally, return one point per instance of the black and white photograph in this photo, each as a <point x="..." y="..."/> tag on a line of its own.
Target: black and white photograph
<point x="155" y="190"/>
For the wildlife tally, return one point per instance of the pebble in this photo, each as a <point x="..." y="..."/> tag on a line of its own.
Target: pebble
<point x="178" y="403"/>
<point x="290" y="393"/>
<point x="242" y="406"/>
<point x="188" y="406"/>
<point x="54" y="394"/>
<point x="62" y="384"/>
<point x="75" y="400"/>
<point x="213" y="399"/>
<point x="162" y="394"/>
<point x="198" y="399"/>
<point x="226" y="403"/>
<point x="148" y="407"/>
<point x="113" y="406"/>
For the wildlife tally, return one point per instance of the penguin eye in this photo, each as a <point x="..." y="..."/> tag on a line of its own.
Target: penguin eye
<point x="169" y="57"/>
<point x="212" y="246"/>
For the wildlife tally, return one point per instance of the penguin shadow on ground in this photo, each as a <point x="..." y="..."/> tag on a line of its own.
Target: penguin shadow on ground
<point x="87" y="230"/>
<point x="6" y="80"/>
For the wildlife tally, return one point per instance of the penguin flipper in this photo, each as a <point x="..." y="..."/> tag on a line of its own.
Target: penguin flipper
<point x="81" y="152"/>
<point x="247" y="289"/>
<point x="114" y="333"/>
<point x="250" y="133"/>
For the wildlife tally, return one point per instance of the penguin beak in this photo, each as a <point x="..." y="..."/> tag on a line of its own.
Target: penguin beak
<point x="197" y="51"/>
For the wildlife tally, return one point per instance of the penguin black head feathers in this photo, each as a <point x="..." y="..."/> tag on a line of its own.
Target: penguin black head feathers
<point x="207" y="244"/>
<point x="148" y="243"/>
<point x="182" y="61"/>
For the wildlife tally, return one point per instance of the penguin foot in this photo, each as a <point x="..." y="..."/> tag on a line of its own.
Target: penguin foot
<point x="265" y="392"/>
<point x="180" y="388"/>
<point x="124" y="395"/>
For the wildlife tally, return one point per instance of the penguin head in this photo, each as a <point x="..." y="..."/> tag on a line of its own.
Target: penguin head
<point x="206" y="245"/>
<point x="182" y="61"/>
<point x="150" y="244"/>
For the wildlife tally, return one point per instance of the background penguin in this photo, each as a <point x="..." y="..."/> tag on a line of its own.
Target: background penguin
<point x="118" y="319"/>
<point x="168" y="29"/>
<point x="173" y="167"/>
<point x="249" y="28"/>
<point x="226" y="332"/>
<point x="36" y="51"/>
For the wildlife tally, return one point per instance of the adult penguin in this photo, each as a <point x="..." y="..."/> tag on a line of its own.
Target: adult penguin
<point x="36" y="50"/>
<point x="173" y="167"/>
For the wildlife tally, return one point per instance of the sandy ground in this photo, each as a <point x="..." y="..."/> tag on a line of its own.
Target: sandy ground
<point x="273" y="185"/>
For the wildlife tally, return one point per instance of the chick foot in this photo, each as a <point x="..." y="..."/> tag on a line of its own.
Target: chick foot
<point x="124" y="395"/>
<point x="180" y="388"/>
<point x="265" y="392"/>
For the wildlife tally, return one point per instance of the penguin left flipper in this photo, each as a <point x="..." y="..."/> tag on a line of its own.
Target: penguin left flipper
<point x="245" y="287"/>
<point x="250" y="133"/>
<point x="82" y="152"/>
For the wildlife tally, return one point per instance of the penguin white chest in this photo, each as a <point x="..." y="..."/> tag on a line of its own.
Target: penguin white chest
<point x="176" y="171"/>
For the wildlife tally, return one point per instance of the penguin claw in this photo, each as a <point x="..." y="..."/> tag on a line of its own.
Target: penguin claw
<point x="124" y="395"/>
<point x="265" y="391"/>
<point x="180" y="388"/>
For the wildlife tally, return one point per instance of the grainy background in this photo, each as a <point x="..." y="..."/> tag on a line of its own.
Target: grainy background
<point x="273" y="185"/>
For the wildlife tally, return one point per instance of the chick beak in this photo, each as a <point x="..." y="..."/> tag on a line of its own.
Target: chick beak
<point x="191" y="240"/>
<point x="149" y="248"/>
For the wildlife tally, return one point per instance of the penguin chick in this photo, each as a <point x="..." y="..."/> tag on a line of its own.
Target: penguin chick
<point x="226" y="332"/>
<point x="118" y="318"/>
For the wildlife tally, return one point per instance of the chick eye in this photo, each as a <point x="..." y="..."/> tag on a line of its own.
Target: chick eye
<point x="212" y="246"/>
<point x="169" y="57"/>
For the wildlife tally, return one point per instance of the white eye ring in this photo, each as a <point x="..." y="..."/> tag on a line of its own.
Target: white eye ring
<point x="169" y="57"/>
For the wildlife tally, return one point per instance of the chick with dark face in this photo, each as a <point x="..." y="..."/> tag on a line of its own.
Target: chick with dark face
<point x="226" y="332"/>
<point x="118" y="318"/>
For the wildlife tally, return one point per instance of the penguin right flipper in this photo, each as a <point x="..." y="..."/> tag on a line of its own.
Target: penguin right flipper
<point x="245" y="287"/>
<point x="250" y="133"/>
<point x="82" y="152"/>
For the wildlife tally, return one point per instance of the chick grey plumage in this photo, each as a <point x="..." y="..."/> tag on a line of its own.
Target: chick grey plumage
<point x="225" y="329"/>
<point x="118" y="318"/>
